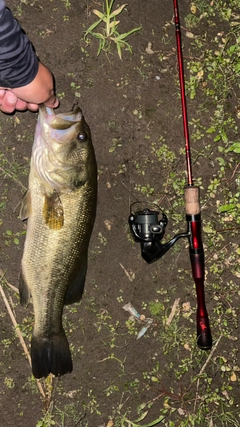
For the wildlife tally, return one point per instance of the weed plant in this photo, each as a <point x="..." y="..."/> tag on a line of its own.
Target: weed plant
<point x="109" y="34"/>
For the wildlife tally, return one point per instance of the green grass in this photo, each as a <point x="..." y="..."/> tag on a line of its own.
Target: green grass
<point x="178" y="384"/>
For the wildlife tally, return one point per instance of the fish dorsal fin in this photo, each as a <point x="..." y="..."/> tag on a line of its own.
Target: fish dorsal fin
<point x="53" y="211"/>
<point x="26" y="208"/>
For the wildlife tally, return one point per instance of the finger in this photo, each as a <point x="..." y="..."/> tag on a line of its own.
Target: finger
<point x="32" y="107"/>
<point x="20" y="105"/>
<point x="53" y="102"/>
<point x="2" y="94"/>
<point x="8" y="102"/>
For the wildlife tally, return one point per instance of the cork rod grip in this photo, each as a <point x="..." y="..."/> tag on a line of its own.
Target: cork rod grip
<point x="192" y="200"/>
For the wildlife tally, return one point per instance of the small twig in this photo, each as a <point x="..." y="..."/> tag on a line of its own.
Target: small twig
<point x="2" y="276"/>
<point x="13" y="178"/>
<point x="205" y="365"/>
<point x="173" y="311"/>
<point x="210" y="355"/>
<point x="130" y="276"/>
<point x="80" y="419"/>
<point x="10" y="312"/>
<point x="234" y="172"/>
<point x="19" y="334"/>
<point x="12" y="305"/>
<point x="49" y="388"/>
<point x="224" y="230"/>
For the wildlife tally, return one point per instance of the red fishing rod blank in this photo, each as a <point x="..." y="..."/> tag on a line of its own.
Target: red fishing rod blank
<point x="193" y="211"/>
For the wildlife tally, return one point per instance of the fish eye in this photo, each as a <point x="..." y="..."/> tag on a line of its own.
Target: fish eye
<point x="82" y="136"/>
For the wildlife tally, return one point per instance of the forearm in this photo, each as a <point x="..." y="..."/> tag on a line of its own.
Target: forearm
<point x="24" y="81"/>
<point x="18" y="61"/>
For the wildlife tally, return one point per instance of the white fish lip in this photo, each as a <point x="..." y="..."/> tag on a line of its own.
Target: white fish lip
<point x="60" y="120"/>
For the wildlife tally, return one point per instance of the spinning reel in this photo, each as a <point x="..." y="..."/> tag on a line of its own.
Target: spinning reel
<point x="148" y="230"/>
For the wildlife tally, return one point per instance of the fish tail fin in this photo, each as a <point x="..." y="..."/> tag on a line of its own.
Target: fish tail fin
<point x="50" y="355"/>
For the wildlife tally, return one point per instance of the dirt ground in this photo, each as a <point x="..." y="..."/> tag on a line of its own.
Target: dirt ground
<point x="133" y="109"/>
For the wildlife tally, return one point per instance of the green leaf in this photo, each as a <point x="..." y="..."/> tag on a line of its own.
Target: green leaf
<point x="211" y="130"/>
<point x="98" y="36"/>
<point x="124" y="35"/>
<point x="151" y="424"/>
<point x="224" y="136"/>
<point x="101" y="46"/>
<point x="141" y="417"/>
<point x="232" y="48"/>
<point x="154" y="379"/>
<point x="207" y="229"/>
<point x="237" y="67"/>
<point x="227" y="207"/>
<point x="235" y="147"/>
<point x="155" y="422"/>
<point x="94" y="25"/>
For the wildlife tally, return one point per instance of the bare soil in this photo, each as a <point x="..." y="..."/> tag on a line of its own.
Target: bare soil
<point x="131" y="106"/>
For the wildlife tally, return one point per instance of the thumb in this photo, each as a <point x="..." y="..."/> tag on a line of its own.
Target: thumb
<point x="53" y="102"/>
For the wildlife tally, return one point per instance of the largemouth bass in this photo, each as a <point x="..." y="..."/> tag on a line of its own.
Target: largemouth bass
<point x="60" y="206"/>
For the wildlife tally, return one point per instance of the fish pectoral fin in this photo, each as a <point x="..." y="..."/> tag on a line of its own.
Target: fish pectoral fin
<point x="24" y="291"/>
<point x="75" y="290"/>
<point x="26" y="206"/>
<point x="53" y="211"/>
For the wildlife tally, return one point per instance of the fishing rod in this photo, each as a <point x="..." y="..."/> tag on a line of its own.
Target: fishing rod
<point x="148" y="230"/>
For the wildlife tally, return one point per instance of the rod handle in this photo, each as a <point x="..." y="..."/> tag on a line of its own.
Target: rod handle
<point x="204" y="337"/>
<point x="192" y="200"/>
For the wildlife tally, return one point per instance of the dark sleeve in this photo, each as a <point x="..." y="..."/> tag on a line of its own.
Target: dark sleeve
<point x="18" y="60"/>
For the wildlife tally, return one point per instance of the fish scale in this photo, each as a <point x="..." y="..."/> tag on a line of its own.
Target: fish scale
<point x="60" y="222"/>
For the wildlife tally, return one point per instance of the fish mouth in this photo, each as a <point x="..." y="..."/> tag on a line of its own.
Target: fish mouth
<point x="60" y="121"/>
<point x="61" y="127"/>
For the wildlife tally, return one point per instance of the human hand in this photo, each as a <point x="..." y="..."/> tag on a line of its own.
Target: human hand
<point x="9" y="102"/>
<point x="39" y="91"/>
